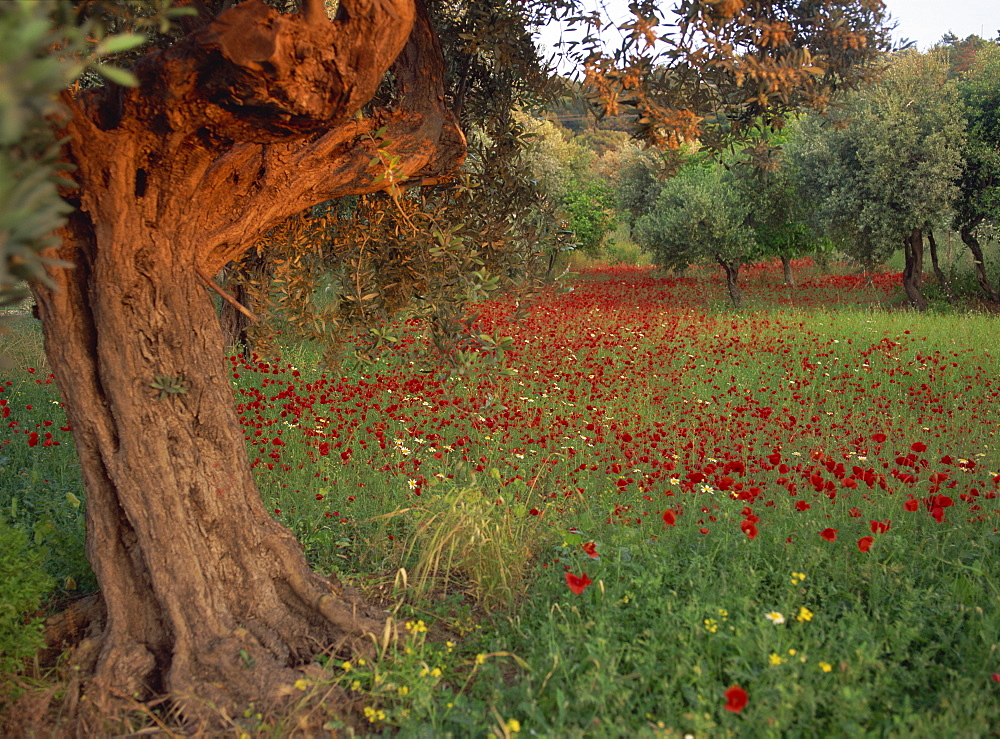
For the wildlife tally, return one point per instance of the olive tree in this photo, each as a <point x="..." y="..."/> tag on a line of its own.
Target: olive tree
<point x="699" y="216"/>
<point x="979" y="200"/>
<point x="882" y="171"/>
<point x="245" y="117"/>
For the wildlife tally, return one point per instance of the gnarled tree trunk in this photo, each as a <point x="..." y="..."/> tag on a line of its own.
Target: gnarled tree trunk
<point x="970" y="240"/>
<point x="913" y="269"/>
<point x="243" y="123"/>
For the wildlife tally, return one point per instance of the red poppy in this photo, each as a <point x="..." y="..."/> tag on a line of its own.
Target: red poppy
<point x="865" y="543"/>
<point x="749" y="528"/>
<point x="736" y="699"/>
<point x="829" y="534"/>
<point x="911" y="505"/>
<point x="577" y="584"/>
<point x="879" y="437"/>
<point x="591" y="549"/>
<point x="880" y="527"/>
<point x="669" y="518"/>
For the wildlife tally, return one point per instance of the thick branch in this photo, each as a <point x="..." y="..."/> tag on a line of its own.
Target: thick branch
<point x="421" y="136"/>
<point x="254" y="74"/>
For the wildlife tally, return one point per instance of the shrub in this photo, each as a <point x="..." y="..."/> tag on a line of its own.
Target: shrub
<point x="23" y="584"/>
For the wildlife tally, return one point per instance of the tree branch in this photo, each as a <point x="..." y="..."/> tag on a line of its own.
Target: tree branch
<point x="421" y="136"/>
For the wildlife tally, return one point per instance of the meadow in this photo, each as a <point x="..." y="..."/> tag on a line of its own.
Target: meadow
<point x="651" y="517"/>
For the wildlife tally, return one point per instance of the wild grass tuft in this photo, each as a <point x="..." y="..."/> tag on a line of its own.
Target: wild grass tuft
<point x="479" y="542"/>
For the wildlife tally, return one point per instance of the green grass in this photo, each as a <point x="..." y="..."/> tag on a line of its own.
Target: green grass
<point x="899" y="640"/>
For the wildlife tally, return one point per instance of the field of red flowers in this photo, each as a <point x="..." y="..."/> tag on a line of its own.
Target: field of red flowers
<point x="787" y="513"/>
<point x="626" y="390"/>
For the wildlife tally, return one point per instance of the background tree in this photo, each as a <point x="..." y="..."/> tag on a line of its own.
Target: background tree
<point x="700" y="216"/>
<point x="766" y="181"/>
<point x="568" y="173"/>
<point x="246" y="118"/>
<point x="882" y="172"/>
<point x="636" y="174"/>
<point x="979" y="200"/>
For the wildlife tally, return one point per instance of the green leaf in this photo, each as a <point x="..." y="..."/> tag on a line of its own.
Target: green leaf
<point x="117" y="75"/>
<point x="119" y="43"/>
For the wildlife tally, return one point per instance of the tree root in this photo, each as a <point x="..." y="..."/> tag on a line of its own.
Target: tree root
<point x="109" y="682"/>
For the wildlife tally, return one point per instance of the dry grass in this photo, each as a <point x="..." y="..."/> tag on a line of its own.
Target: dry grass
<point x="482" y="543"/>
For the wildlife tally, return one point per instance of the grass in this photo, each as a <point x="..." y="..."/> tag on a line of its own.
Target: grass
<point x="815" y="456"/>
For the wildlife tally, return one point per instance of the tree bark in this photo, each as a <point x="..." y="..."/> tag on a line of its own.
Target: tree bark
<point x="941" y="278"/>
<point x="913" y="269"/>
<point x="206" y="596"/>
<point x="732" y="269"/>
<point x="786" y="267"/>
<point x="970" y="240"/>
<point x="235" y="322"/>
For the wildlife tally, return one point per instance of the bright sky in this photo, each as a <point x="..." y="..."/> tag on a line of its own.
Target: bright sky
<point x="921" y="21"/>
<point x="926" y="21"/>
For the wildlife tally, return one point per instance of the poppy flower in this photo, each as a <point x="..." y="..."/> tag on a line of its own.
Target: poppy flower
<point x="736" y="699"/>
<point x="749" y="528"/>
<point x="911" y="505"/>
<point x="577" y="584"/>
<point x="669" y="518"/>
<point x="918" y="446"/>
<point x="591" y="549"/>
<point x="865" y="543"/>
<point x="829" y="534"/>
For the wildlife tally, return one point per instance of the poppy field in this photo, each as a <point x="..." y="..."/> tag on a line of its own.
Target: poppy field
<point x="648" y="516"/>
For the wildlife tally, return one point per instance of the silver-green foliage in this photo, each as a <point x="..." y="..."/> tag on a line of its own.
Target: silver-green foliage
<point x="698" y="216"/>
<point x="43" y="49"/>
<point x="980" y="91"/>
<point x="888" y="161"/>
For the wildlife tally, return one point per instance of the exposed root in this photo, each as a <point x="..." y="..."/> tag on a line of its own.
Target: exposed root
<point x="67" y="629"/>
<point x="110" y="682"/>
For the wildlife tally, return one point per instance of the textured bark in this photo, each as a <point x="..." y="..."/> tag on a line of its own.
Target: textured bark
<point x="235" y="322"/>
<point x="236" y="311"/>
<point x="913" y="269"/>
<point x="969" y="239"/>
<point x="732" y="269"/>
<point x="246" y="121"/>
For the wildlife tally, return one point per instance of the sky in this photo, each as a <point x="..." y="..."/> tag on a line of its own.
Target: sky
<point x="926" y="21"/>
<point x="921" y="21"/>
